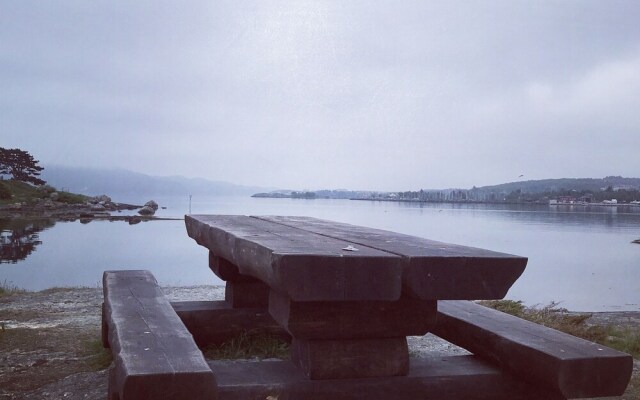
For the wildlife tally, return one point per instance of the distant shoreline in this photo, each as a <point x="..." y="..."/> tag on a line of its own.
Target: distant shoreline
<point x="502" y="202"/>
<point x="399" y="200"/>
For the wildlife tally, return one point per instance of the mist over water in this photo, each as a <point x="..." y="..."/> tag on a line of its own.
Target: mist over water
<point x="580" y="257"/>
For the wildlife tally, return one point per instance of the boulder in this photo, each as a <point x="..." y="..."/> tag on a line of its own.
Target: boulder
<point x="98" y="207"/>
<point x="101" y="199"/>
<point x="146" y="210"/>
<point x="54" y="196"/>
<point x="152" y="204"/>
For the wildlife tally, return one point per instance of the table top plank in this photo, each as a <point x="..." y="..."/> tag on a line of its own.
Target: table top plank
<point x="432" y="269"/>
<point x="304" y="265"/>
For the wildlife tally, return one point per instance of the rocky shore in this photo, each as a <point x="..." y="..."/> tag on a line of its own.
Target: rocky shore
<point x="50" y="342"/>
<point x="98" y="207"/>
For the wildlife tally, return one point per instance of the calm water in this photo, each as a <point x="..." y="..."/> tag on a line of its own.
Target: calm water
<point x="580" y="257"/>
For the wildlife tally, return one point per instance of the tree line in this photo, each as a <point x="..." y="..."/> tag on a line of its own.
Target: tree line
<point x="520" y="196"/>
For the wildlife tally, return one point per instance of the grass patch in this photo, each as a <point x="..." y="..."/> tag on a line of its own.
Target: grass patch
<point x="6" y="289"/>
<point x="98" y="357"/>
<point x="61" y="289"/>
<point x="627" y="340"/>
<point x="38" y="357"/>
<point x="13" y="191"/>
<point x="72" y="198"/>
<point x="18" y="192"/>
<point x="553" y="316"/>
<point x="506" y="306"/>
<point x="249" y="345"/>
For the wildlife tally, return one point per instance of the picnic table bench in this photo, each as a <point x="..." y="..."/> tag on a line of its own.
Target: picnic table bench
<point x="347" y="297"/>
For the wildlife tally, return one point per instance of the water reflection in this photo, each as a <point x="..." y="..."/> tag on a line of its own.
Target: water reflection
<point x="19" y="237"/>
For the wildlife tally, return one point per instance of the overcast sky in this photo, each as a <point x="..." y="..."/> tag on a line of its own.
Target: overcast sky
<point x="379" y="95"/>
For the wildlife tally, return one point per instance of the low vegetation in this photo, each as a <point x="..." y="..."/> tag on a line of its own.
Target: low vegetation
<point x="249" y="345"/>
<point x="47" y="355"/>
<point x="625" y="339"/>
<point x="5" y="192"/>
<point x="97" y="358"/>
<point x="13" y="191"/>
<point x="6" y="289"/>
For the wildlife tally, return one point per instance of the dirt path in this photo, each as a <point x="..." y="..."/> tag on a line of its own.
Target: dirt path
<point x="50" y="342"/>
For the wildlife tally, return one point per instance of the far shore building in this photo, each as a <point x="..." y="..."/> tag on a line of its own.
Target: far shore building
<point x="587" y="198"/>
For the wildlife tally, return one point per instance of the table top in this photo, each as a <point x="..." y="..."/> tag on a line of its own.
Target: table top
<point x="311" y="259"/>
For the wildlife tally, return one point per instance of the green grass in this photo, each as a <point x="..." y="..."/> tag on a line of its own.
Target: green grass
<point x="552" y="316"/>
<point x="249" y="345"/>
<point x="19" y="192"/>
<point x="98" y="357"/>
<point x="627" y="340"/>
<point x="71" y="198"/>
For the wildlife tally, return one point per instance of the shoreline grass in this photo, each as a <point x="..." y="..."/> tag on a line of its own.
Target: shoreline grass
<point x="14" y="191"/>
<point x="7" y="289"/>
<point x="625" y="339"/>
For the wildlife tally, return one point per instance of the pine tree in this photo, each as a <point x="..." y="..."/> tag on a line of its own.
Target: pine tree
<point x="20" y="165"/>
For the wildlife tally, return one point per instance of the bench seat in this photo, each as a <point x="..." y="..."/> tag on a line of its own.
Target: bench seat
<point x="155" y="355"/>
<point x="568" y="365"/>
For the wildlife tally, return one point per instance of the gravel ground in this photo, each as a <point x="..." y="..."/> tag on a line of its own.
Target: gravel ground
<point x="49" y="340"/>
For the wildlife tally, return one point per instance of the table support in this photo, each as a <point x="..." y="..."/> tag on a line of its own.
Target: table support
<point x="356" y="358"/>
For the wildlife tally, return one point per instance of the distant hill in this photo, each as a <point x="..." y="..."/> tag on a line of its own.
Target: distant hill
<point x="556" y="185"/>
<point x="121" y="182"/>
<point x="624" y="190"/>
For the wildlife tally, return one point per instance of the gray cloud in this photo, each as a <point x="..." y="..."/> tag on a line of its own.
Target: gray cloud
<point x="365" y="95"/>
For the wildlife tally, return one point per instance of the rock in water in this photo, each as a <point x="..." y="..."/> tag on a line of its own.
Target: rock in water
<point x="146" y="210"/>
<point x="152" y="204"/>
<point x="637" y="241"/>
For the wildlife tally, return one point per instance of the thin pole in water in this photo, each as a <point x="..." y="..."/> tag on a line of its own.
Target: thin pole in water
<point x="189" y="204"/>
